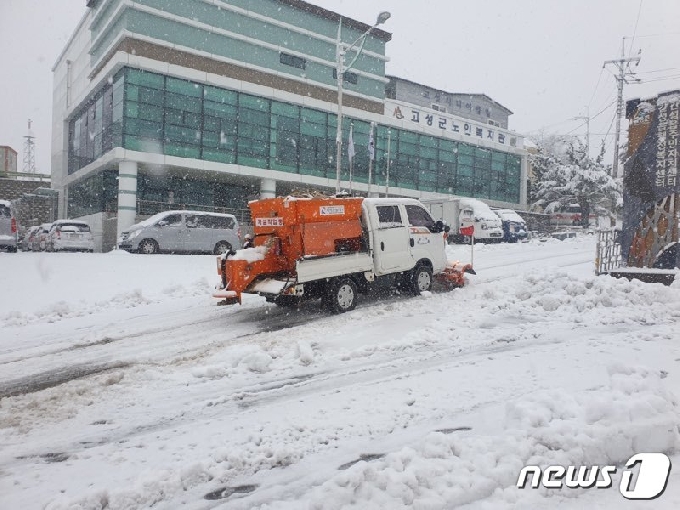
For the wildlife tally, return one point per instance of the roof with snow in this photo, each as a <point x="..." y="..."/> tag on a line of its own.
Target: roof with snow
<point x="457" y="94"/>
<point x="334" y="16"/>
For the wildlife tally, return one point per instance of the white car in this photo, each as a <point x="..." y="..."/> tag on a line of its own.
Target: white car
<point x="70" y="235"/>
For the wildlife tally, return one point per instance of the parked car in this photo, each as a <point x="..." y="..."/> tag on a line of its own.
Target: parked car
<point x="183" y="232"/>
<point x="69" y="235"/>
<point x="8" y="227"/>
<point x="31" y="238"/>
<point x="514" y="226"/>
<point x="39" y="239"/>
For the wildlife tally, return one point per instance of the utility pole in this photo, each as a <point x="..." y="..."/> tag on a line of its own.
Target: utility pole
<point x="29" y="151"/>
<point x="624" y="74"/>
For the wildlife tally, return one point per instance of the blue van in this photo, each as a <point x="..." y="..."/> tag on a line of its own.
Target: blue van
<point x="514" y="226"/>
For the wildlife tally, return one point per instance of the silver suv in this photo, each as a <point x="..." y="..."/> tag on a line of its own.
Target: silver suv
<point x="8" y="227"/>
<point x="183" y="232"/>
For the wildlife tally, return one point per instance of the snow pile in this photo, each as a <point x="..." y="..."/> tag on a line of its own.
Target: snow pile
<point x="594" y="300"/>
<point x="250" y="254"/>
<point x="604" y="426"/>
<point x="63" y="309"/>
<point x="51" y="287"/>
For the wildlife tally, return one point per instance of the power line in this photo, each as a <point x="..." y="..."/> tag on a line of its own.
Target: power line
<point x="603" y="110"/>
<point x="632" y="39"/>
<point x="577" y="127"/>
<point x="596" y="85"/>
<point x="657" y="35"/>
<point x="663" y="78"/>
<point x="549" y="126"/>
<point x="611" y="124"/>
<point x="659" y="70"/>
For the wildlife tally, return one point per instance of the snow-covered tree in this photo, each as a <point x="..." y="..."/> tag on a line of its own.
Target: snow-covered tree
<point x="550" y="150"/>
<point x="575" y="177"/>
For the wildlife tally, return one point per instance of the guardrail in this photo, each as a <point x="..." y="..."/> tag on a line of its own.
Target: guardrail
<point x="149" y="208"/>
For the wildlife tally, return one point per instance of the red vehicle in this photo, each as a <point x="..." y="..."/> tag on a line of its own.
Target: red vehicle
<point x="569" y="215"/>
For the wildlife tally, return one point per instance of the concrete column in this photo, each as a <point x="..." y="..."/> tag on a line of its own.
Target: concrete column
<point x="524" y="175"/>
<point x="267" y="188"/>
<point x="127" y="195"/>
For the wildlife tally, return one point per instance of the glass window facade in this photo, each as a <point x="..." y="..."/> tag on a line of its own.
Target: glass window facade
<point x="97" y="193"/>
<point x="97" y="127"/>
<point x="150" y="112"/>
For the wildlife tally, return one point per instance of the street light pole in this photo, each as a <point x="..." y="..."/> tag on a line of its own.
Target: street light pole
<point x="339" y="60"/>
<point x="340" y="70"/>
<point x="387" y="177"/>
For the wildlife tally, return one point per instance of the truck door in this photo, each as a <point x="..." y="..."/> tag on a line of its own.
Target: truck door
<point x="427" y="241"/>
<point x="391" y="243"/>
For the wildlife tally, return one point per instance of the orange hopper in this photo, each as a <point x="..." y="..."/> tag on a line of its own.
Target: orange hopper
<point x="288" y="230"/>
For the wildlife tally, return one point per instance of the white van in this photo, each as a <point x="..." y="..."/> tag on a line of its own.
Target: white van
<point x="183" y="232"/>
<point x="462" y="213"/>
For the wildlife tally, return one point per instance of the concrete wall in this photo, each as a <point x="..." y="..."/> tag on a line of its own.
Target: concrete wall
<point x="70" y="86"/>
<point x="103" y="226"/>
<point x="30" y="208"/>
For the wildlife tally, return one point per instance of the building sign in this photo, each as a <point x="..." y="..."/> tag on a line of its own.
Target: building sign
<point x="453" y="124"/>
<point x="269" y="222"/>
<point x="667" y="141"/>
<point x="651" y="188"/>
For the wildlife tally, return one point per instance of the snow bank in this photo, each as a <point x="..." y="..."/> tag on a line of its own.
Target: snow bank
<point x="594" y="300"/>
<point x="634" y="413"/>
<point x="50" y="287"/>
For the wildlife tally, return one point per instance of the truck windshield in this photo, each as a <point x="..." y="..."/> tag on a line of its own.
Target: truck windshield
<point x="419" y="217"/>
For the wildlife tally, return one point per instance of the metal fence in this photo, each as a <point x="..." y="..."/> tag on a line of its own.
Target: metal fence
<point x="149" y="208"/>
<point x="608" y="251"/>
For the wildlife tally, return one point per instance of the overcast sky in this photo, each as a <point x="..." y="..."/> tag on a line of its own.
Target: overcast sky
<point x="540" y="58"/>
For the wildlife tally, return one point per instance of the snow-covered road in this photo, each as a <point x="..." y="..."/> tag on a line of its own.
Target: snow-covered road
<point x="123" y="386"/>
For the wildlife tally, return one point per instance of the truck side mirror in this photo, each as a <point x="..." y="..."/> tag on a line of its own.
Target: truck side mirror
<point x="440" y="227"/>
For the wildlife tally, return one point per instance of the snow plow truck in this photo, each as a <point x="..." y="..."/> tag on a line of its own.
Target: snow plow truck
<point x="334" y="248"/>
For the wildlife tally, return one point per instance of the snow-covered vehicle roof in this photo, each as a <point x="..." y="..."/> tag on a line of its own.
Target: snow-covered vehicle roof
<point x="482" y="210"/>
<point x="69" y="222"/>
<point x="509" y="215"/>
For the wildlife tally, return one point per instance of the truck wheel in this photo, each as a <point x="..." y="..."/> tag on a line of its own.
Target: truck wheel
<point x="341" y="295"/>
<point x="148" y="247"/>
<point x="221" y="248"/>
<point x="421" y="279"/>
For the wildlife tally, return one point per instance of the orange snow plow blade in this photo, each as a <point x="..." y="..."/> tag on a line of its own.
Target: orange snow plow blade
<point x="454" y="274"/>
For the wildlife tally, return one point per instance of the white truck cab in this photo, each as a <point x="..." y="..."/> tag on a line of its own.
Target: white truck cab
<point x="402" y="233"/>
